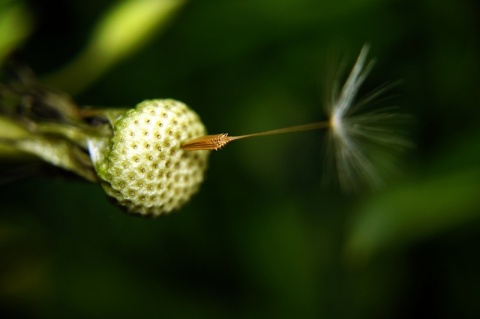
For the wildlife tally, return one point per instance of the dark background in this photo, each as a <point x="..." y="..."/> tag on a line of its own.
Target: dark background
<point x="264" y="238"/>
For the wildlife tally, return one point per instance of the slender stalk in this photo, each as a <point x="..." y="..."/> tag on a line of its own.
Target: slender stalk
<point x="217" y="141"/>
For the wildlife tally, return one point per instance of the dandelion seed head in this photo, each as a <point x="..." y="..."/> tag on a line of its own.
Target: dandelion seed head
<point x="142" y="167"/>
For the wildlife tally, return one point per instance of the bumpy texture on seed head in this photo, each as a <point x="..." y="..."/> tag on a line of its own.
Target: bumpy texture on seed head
<point x="144" y="168"/>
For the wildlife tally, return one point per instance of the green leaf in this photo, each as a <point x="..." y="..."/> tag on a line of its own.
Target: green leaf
<point x="415" y="211"/>
<point x="15" y="26"/>
<point x="124" y="29"/>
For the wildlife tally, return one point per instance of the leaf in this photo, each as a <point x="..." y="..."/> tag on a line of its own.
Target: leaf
<point x="124" y="29"/>
<point x="15" y="26"/>
<point x="415" y="211"/>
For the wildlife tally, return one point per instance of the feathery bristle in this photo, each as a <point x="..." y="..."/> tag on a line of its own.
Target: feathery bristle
<point x="362" y="146"/>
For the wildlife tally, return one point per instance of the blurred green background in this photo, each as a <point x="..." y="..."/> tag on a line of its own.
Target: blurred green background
<point x="264" y="238"/>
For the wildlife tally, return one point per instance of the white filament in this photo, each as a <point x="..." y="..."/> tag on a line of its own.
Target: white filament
<point x="363" y="146"/>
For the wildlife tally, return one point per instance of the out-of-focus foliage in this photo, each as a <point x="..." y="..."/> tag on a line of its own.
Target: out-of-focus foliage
<point x="15" y="25"/>
<point x="263" y="237"/>
<point x="121" y="32"/>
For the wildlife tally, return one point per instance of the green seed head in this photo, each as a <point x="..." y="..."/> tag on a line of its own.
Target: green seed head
<point x="143" y="167"/>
